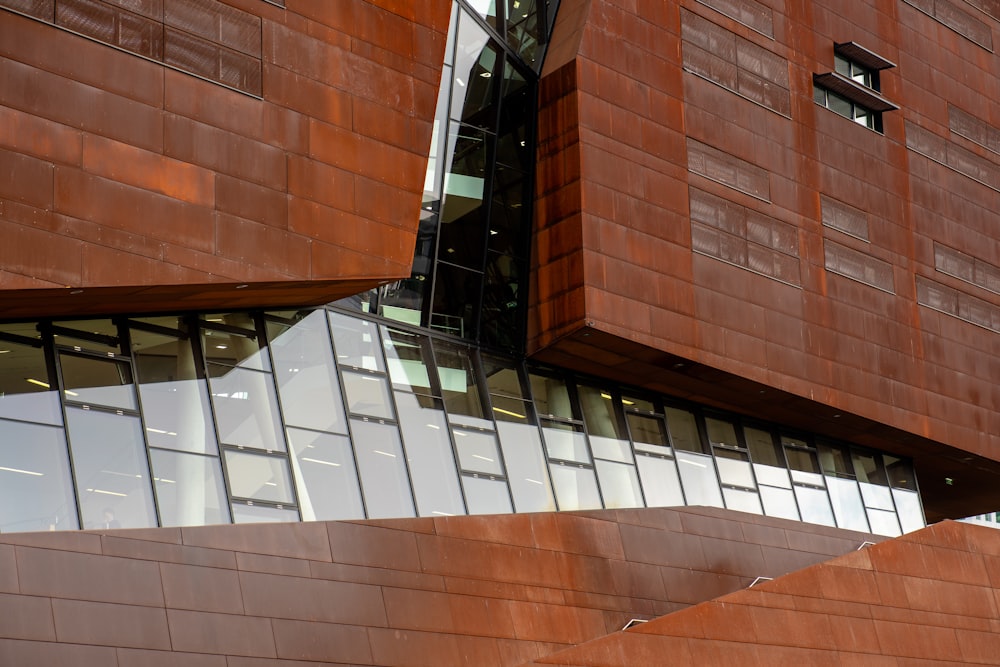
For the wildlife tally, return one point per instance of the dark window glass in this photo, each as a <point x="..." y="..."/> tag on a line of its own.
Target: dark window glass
<point x="456" y="299"/>
<point x="97" y="381"/>
<point x="551" y="396"/>
<point x="683" y="430"/>
<point x="25" y="387"/>
<point x="869" y="468"/>
<point x="762" y="447"/>
<point x="502" y="295"/>
<point x="900" y="473"/>
<point x="462" y="233"/>
<point x="458" y="383"/>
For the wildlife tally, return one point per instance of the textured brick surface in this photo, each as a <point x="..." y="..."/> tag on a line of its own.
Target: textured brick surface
<point x="705" y="229"/>
<point x="118" y="172"/>
<point x="488" y="590"/>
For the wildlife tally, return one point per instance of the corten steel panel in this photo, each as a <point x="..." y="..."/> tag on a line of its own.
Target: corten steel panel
<point x="489" y="590"/>
<point x="704" y="229"/>
<point x="902" y="599"/>
<point x="129" y="186"/>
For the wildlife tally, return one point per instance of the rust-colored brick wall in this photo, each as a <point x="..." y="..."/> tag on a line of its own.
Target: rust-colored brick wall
<point x="706" y="229"/>
<point x="478" y="591"/>
<point x="928" y="598"/>
<point x="281" y="148"/>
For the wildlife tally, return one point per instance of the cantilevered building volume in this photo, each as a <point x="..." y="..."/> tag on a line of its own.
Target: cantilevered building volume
<point x="354" y="269"/>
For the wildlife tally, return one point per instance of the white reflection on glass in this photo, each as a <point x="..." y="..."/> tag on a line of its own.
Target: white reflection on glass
<point x="701" y="486"/>
<point x="477" y="451"/>
<point x="323" y="466"/>
<point x="97" y="381"/>
<point x="112" y="475"/>
<point x="734" y="470"/>
<point x="742" y="500"/>
<point x="367" y="395"/>
<point x="429" y="453"/>
<point x="356" y="342"/>
<point x="814" y="505"/>
<point x="486" y="496"/>
<point x="779" y="502"/>
<point x="259" y="477"/>
<point x="576" y="488"/>
<point x="24" y="388"/>
<point x="884" y="523"/>
<point x="847" y="506"/>
<point x="565" y="442"/>
<point x="189" y="489"/>
<point x="246" y="409"/>
<point x="911" y="514"/>
<point x="262" y="514"/>
<point x="36" y="492"/>
<point x="660" y="482"/>
<point x="383" y="473"/>
<point x="877" y="496"/>
<point x="619" y="484"/>
<point x="529" y="481"/>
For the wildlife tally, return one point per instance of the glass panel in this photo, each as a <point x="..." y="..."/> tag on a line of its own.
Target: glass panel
<point x="522" y="452"/>
<point x="721" y="432"/>
<point x="576" y="487"/>
<point x="367" y="395"/>
<point x="325" y="477"/>
<point x="683" y="430"/>
<point x="868" y="468"/>
<point x="502" y="378"/>
<point x="462" y="228"/>
<point x="877" y="496"/>
<point x="456" y="300"/>
<point x="262" y="514"/>
<point x="429" y="453"/>
<point x="565" y="441"/>
<point x="641" y="404"/>
<point x="97" y="381"/>
<point x="772" y="476"/>
<point x="619" y="484"/>
<point x="502" y="296"/>
<point x="487" y="9"/>
<point x="476" y="74"/>
<point x="231" y="349"/>
<point x="911" y="515"/>
<point x="357" y="342"/>
<point x="246" y="409"/>
<point x="486" y="496"/>
<point x="174" y="401"/>
<point x="259" y="477"/>
<point x="701" y="487"/>
<point x="409" y="360"/>
<point x="847" y="507"/>
<point x="648" y="431"/>
<point x="742" y="500"/>
<point x="551" y="396"/>
<point x="509" y="409"/>
<point x="523" y="29"/>
<point x="839" y="104"/>
<point x="612" y="450"/>
<point x="835" y="460"/>
<point x="458" y="382"/>
<point x="900" y="473"/>
<point x="779" y="503"/>
<point x="403" y="300"/>
<point x="599" y="413"/>
<point x="106" y="339"/>
<point x="762" y="447"/>
<point x="384" y="481"/>
<point x="477" y="451"/>
<point x="25" y="391"/>
<point x="734" y="468"/>
<point x="884" y="523"/>
<point x="112" y="474"/>
<point x="306" y="375"/>
<point x="814" y="505"/>
<point x="509" y="212"/>
<point x="36" y="492"/>
<point x="804" y="465"/>
<point x="660" y="481"/>
<point x="189" y="489"/>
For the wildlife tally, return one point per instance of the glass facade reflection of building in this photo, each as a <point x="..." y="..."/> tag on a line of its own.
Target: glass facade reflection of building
<point x="410" y="400"/>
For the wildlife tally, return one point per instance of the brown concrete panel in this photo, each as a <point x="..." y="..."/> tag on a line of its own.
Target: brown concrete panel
<point x="201" y="588"/>
<point x="199" y="632"/>
<point x="102" y="624"/>
<point x="66" y="574"/>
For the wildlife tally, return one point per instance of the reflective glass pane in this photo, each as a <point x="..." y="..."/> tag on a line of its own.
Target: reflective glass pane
<point x="384" y="481"/>
<point x="599" y="413"/>
<point x="900" y="473"/>
<point x="565" y="441"/>
<point x="847" y="507"/>
<point x="660" y="482"/>
<point x="648" y="431"/>
<point x="683" y="430"/>
<point x="95" y="335"/>
<point x="259" y="477"/>
<point x="613" y="450"/>
<point x="403" y="300"/>
<point x="112" y="474"/>
<point x="174" y="401"/>
<point x="529" y="481"/>
<point x="357" y="342"/>
<point x="243" y="513"/>
<point x="189" y="489"/>
<point x="772" y="476"/>
<point x="734" y="468"/>
<point x="409" y="360"/>
<point x="367" y="395"/>
<point x="325" y="477"/>
<point x="779" y="502"/>
<point x="619" y="484"/>
<point x="911" y="514"/>
<point x="814" y="505"/>
<point x="246" y="409"/>
<point x="762" y="447"/>
<point x="742" y="500"/>
<point x="502" y="378"/>
<point x="701" y="487"/>
<point x="458" y="381"/>
<point x="487" y="9"/>
<point x="306" y="375"/>
<point x="25" y="391"/>
<point x="233" y="349"/>
<point x="455" y="309"/>
<point x="884" y="523"/>
<point x="476" y="74"/>
<point x="429" y="453"/>
<point x="835" y="460"/>
<point x="877" y="496"/>
<point x="463" y="217"/>
<point x="721" y="432"/>
<point x="510" y="410"/>
<point x="502" y="297"/>
<point x="510" y="209"/>
<point x="36" y="492"/>
<point x="868" y="468"/>
<point x="551" y="396"/>
<point x="486" y="496"/>
<point x="524" y="29"/>
<point x="97" y="381"/>
<point x="575" y="487"/>
<point x="477" y="451"/>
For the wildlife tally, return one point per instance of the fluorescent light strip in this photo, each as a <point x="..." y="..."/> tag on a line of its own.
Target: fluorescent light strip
<point x="108" y="493"/>
<point x="23" y="472"/>
<point x="326" y="463"/>
<point x="379" y="451"/>
<point x="482" y="458"/>
<point x="508" y="412"/>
